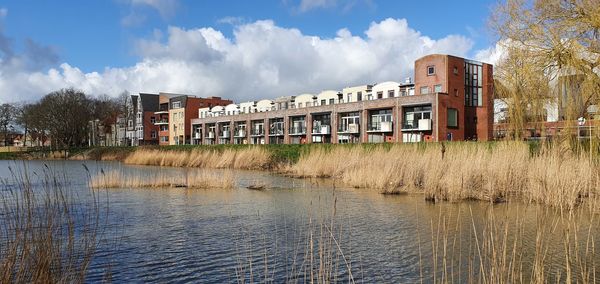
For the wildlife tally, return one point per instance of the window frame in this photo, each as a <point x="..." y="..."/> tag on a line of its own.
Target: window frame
<point x="432" y="69"/>
<point x="456" y="125"/>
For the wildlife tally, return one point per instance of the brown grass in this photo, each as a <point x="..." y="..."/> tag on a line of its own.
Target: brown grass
<point x="117" y="179"/>
<point x="495" y="248"/>
<point x="252" y="158"/>
<point x="464" y="171"/>
<point x="46" y="236"/>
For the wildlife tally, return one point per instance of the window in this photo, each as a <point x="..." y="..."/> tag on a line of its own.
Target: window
<point x="456" y="92"/>
<point x="349" y="97"/>
<point x="130" y="123"/>
<point x="391" y="93"/>
<point x="331" y="101"/>
<point x="323" y="102"/>
<point x="380" y="95"/>
<point x="424" y="90"/>
<point x="152" y="119"/>
<point x="437" y="88"/>
<point x="452" y="118"/>
<point x="369" y="97"/>
<point x="176" y="105"/>
<point x="359" y="96"/>
<point x="473" y="84"/>
<point x="430" y="70"/>
<point x="455" y="70"/>
<point x="299" y="105"/>
<point x="153" y="134"/>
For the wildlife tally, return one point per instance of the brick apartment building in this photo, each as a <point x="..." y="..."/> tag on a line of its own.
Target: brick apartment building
<point x="451" y="99"/>
<point x="163" y="118"/>
<point x="174" y="114"/>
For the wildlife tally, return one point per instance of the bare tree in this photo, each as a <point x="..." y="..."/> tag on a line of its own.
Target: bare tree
<point x="7" y="120"/>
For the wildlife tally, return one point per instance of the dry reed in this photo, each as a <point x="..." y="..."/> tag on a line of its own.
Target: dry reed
<point x="500" y="248"/>
<point x="464" y="171"/>
<point x="46" y="236"/>
<point x="118" y="179"/>
<point x="252" y="158"/>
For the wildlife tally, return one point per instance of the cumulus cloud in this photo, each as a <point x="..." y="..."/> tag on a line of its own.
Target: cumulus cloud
<point x="260" y="60"/>
<point x="492" y="54"/>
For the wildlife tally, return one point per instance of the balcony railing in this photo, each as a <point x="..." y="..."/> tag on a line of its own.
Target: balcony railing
<point x="258" y="132"/>
<point x="210" y="135"/>
<point x="322" y="129"/>
<point x="240" y="133"/>
<point x="224" y="134"/>
<point x="419" y="125"/>
<point x="276" y="131"/>
<point x="197" y="135"/>
<point x="385" y="126"/>
<point x="163" y="121"/>
<point x="297" y="130"/>
<point x="351" y="128"/>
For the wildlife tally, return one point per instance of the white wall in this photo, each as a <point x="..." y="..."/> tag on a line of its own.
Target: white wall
<point x="385" y="88"/>
<point x="327" y="95"/>
<point x="304" y="100"/>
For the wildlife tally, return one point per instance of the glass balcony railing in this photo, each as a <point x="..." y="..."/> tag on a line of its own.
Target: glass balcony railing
<point x="295" y="130"/>
<point x="350" y="128"/>
<point x="385" y="126"/>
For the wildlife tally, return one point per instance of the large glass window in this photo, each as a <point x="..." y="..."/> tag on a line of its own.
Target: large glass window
<point x="473" y="84"/>
<point x="452" y="118"/>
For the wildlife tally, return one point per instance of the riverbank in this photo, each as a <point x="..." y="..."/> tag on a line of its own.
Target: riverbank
<point x="492" y="171"/>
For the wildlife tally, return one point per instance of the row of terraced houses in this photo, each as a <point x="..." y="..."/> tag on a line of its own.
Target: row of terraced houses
<point x="451" y="98"/>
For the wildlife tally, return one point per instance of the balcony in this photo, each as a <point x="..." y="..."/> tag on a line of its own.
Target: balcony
<point x="351" y="128"/>
<point x="210" y="135"/>
<point x="417" y="125"/>
<point x="322" y="129"/>
<point x="225" y="134"/>
<point x="276" y="132"/>
<point x="161" y="122"/>
<point x="197" y="135"/>
<point x="298" y="130"/>
<point x="240" y="133"/>
<point x="258" y="132"/>
<point x="385" y="126"/>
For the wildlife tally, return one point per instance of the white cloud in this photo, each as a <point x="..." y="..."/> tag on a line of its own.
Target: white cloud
<point x="306" y="5"/>
<point x="260" y="60"/>
<point x="166" y="8"/>
<point x="492" y="54"/>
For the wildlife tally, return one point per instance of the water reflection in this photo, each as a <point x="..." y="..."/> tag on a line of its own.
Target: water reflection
<point x="217" y="235"/>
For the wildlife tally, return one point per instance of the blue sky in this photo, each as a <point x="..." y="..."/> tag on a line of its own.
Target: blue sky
<point x="104" y="46"/>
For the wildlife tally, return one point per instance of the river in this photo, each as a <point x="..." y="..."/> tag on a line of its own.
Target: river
<point x="296" y="229"/>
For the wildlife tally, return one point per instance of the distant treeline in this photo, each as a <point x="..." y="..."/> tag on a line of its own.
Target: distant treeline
<point x="61" y="118"/>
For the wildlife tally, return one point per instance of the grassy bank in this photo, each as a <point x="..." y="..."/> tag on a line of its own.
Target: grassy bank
<point x="459" y="171"/>
<point x="490" y="171"/>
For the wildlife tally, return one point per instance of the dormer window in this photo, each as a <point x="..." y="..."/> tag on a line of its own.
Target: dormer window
<point x="430" y="70"/>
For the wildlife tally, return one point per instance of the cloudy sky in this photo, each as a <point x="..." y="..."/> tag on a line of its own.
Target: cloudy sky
<point x="244" y="50"/>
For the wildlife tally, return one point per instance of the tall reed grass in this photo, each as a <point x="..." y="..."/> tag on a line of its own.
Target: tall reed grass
<point x="505" y="247"/>
<point x="251" y="158"/>
<point x="119" y="179"/>
<point x="459" y="171"/>
<point x="46" y="236"/>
